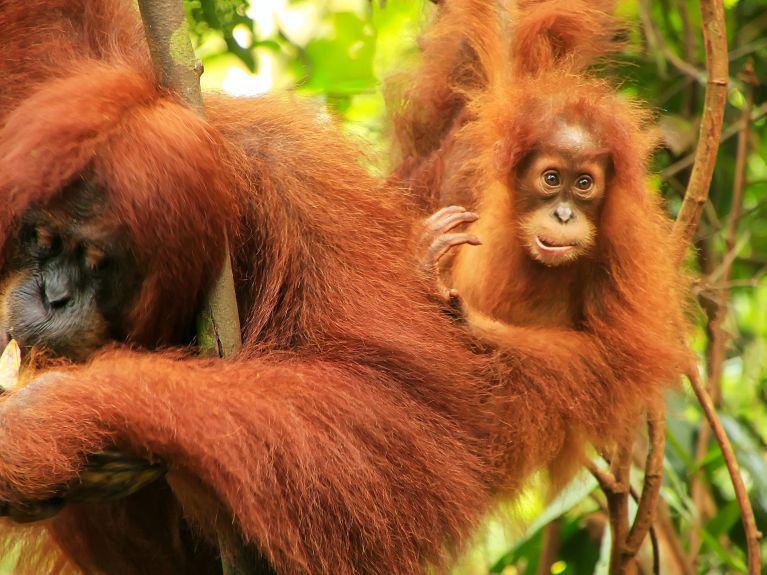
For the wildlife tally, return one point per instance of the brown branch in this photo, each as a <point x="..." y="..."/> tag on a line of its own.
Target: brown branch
<point x="691" y="56"/>
<point x="747" y="513"/>
<point x="616" y="484"/>
<point x="715" y="40"/>
<point x="652" y="531"/>
<point x="604" y="478"/>
<point x="654" y="39"/>
<point x="653" y="479"/>
<point x="552" y="540"/>
<point x="621" y="563"/>
<point x="733" y="130"/>
<point x="747" y="75"/>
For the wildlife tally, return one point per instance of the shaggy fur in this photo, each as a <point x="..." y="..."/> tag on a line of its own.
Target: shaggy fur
<point x="603" y="336"/>
<point x="356" y="433"/>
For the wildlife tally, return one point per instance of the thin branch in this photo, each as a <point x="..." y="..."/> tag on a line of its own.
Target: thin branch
<point x="723" y="270"/>
<point x="747" y="75"/>
<point x="754" y="282"/>
<point x="653" y="532"/>
<point x="715" y="40"/>
<point x="604" y="478"/>
<point x="552" y="540"/>
<point x="654" y="39"/>
<point x="653" y="479"/>
<point x="747" y="513"/>
<point x="621" y="563"/>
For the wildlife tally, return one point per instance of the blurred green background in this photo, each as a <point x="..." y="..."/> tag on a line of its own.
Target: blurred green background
<point x="341" y="51"/>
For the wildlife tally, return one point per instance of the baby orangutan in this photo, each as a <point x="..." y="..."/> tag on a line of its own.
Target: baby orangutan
<point x="570" y="276"/>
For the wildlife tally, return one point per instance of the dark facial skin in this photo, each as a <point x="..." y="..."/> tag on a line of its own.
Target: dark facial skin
<point x="560" y="191"/>
<point x="70" y="277"/>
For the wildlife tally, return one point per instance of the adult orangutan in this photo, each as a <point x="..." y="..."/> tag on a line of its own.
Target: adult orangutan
<point x="543" y="167"/>
<point x="348" y="436"/>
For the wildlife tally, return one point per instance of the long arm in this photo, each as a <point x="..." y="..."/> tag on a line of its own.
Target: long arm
<point x="305" y="456"/>
<point x="558" y="390"/>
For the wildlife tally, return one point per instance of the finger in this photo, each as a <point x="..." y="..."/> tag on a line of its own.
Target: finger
<point x="445" y="242"/>
<point x="449" y="222"/>
<point x="441" y="213"/>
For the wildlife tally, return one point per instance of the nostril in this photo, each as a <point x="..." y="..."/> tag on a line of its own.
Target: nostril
<point x="57" y="296"/>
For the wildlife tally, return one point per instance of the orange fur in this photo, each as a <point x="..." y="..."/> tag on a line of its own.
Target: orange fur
<point x="597" y="339"/>
<point x="356" y="433"/>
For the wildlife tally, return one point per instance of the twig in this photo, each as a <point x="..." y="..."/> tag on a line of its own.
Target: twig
<point x="653" y="533"/>
<point x="653" y="479"/>
<point x="715" y="40"/>
<point x="754" y="282"/>
<point x="616" y="486"/>
<point x="749" y="79"/>
<point x="605" y="479"/>
<point x="654" y="40"/>
<point x="747" y="513"/>
<point x="691" y="56"/>
<point x="552" y="539"/>
<point x="722" y="272"/>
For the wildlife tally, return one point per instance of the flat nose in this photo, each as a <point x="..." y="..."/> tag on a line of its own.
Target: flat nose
<point x="58" y="291"/>
<point x="563" y="213"/>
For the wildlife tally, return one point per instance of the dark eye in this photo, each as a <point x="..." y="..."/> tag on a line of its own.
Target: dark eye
<point x="46" y="243"/>
<point x="584" y="183"/>
<point x="551" y="178"/>
<point x="95" y="258"/>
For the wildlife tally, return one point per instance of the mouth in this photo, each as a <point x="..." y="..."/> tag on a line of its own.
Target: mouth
<point x="552" y="247"/>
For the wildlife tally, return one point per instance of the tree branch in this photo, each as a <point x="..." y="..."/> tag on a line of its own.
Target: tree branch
<point x="747" y="513"/>
<point x="653" y="479"/>
<point x="715" y="40"/>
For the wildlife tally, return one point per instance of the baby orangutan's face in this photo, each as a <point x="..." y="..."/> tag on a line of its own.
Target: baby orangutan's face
<point x="559" y="193"/>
